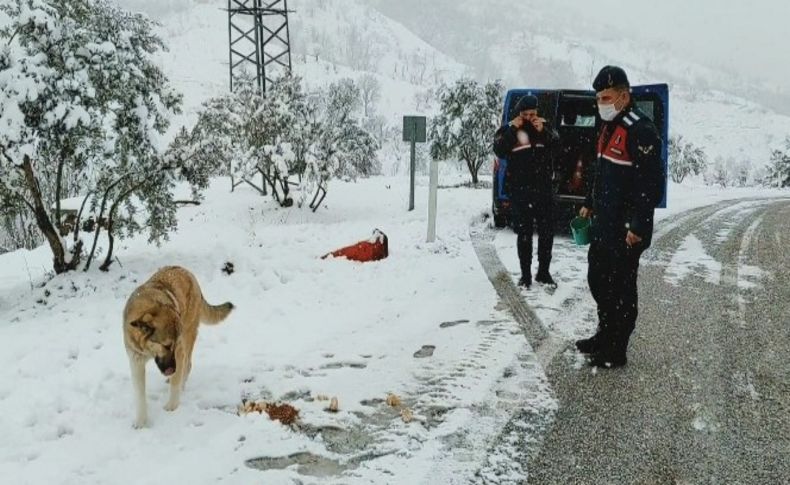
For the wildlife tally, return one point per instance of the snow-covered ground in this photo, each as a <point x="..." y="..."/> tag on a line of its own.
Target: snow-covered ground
<point x="303" y="327"/>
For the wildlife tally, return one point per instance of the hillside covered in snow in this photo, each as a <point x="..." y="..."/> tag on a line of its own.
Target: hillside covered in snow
<point x="412" y="46"/>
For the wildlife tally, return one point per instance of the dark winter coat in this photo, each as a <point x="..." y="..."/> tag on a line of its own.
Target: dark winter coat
<point x="628" y="179"/>
<point x="529" y="163"/>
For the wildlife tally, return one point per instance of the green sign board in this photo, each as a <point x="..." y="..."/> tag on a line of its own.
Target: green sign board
<point x="414" y="129"/>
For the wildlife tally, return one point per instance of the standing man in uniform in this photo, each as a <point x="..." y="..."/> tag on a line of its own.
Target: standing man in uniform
<point x="627" y="186"/>
<point x="526" y="143"/>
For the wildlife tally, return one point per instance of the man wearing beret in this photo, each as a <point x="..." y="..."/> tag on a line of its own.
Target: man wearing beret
<point x="627" y="186"/>
<point x="526" y="142"/>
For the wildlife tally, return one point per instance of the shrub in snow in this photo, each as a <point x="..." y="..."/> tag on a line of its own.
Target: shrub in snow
<point x="685" y="159"/>
<point x="779" y="169"/>
<point x="338" y="144"/>
<point x="720" y="173"/>
<point x="83" y="103"/>
<point x="221" y="133"/>
<point x="356" y="147"/>
<point x="729" y="172"/>
<point x="276" y="126"/>
<point x="468" y="117"/>
<point x="284" y="134"/>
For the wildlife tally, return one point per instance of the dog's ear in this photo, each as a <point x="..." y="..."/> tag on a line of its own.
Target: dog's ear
<point x="142" y="326"/>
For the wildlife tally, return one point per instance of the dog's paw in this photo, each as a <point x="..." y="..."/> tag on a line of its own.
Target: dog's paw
<point x="171" y="405"/>
<point x="140" y="423"/>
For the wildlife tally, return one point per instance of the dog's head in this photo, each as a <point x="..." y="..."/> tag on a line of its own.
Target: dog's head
<point x="155" y="331"/>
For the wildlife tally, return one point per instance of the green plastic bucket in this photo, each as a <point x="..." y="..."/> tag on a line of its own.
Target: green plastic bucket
<point x="580" y="227"/>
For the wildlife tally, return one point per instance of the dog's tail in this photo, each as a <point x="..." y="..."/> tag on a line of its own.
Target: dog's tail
<point x="213" y="314"/>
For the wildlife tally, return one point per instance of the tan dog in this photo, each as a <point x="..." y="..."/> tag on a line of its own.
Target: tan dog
<point x="160" y="322"/>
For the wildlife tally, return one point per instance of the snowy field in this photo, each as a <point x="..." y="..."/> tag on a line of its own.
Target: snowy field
<point x="303" y="327"/>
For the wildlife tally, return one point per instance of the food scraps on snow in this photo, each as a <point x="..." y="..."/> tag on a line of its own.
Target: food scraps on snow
<point x="285" y="413"/>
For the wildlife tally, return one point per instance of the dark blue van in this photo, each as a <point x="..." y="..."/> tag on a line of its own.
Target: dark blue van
<point x="574" y="114"/>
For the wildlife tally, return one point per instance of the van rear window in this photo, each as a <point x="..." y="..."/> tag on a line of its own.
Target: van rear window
<point x="648" y="107"/>
<point x="579" y="120"/>
<point x="578" y="111"/>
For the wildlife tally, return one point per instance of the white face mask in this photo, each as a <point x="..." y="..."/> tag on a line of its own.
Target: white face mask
<point x="607" y="111"/>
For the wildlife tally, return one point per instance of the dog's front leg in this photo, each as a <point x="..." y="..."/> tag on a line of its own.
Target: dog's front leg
<point x="177" y="379"/>
<point x="137" y="366"/>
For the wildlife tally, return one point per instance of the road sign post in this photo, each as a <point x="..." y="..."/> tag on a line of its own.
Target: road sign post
<point x="413" y="131"/>
<point x="434" y="188"/>
<point x="412" y="173"/>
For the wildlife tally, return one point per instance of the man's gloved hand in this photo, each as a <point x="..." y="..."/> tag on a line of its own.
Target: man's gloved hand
<point x="538" y="123"/>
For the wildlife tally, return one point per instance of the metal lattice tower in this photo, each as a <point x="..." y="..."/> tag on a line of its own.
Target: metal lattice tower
<point x="260" y="40"/>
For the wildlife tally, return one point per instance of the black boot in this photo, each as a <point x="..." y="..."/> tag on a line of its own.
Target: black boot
<point x="589" y="345"/>
<point x="606" y="360"/>
<point x="611" y="353"/>
<point x="544" y="277"/>
<point x="525" y="281"/>
<point x="524" y="246"/>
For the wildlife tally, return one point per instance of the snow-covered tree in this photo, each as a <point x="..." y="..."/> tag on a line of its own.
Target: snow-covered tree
<point x="742" y="172"/>
<point x="139" y="198"/>
<point x="286" y="134"/>
<point x="17" y="229"/>
<point x="779" y="168"/>
<point x="361" y="51"/>
<point x="80" y="97"/>
<point x="425" y="99"/>
<point x="277" y="127"/>
<point x="343" y="101"/>
<point x="251" y="135"/>
<point x="370" y="89"/>
<point x="685" y="159"/>
<point x="353" y="147"/>
<point x="468" y="117"/>
<point x="358" y="152"/>
<point x="220" y="131"/>
<point x="333" y="141"/>
<point x="397" y="152"/>
<point x="721" y="172"/>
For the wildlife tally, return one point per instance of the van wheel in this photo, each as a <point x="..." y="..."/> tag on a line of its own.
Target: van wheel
<point x="500" y="221"/>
